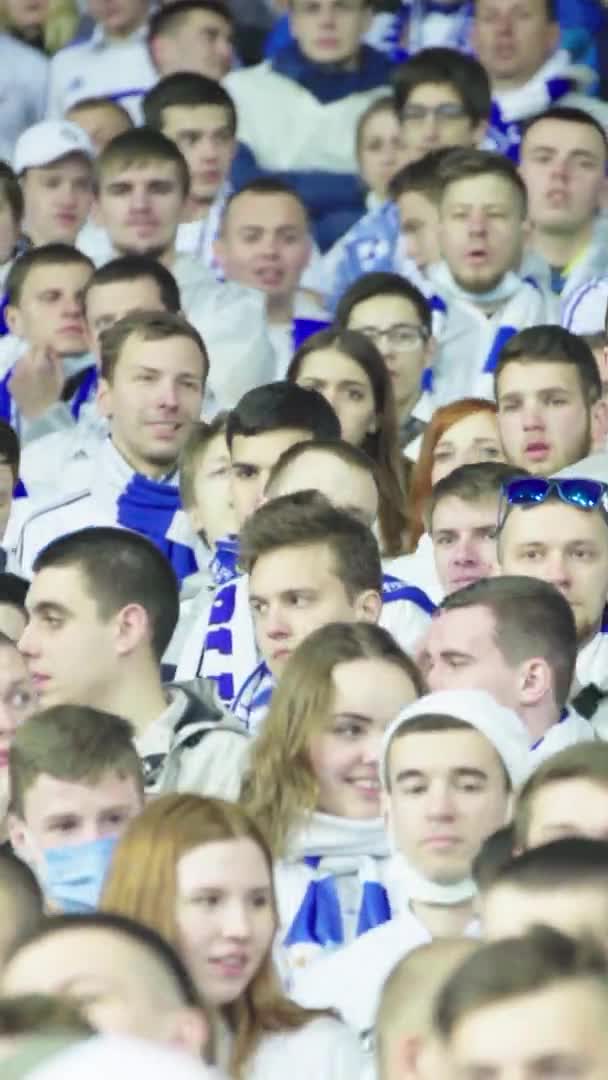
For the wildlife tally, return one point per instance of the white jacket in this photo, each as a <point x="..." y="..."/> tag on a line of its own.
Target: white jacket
<point x="95" y="504"/>
<point x="324" y="1049"/>
<point x="351" y="979"/>
<point x="302" y="133"/>
<point x="99" y="67"/>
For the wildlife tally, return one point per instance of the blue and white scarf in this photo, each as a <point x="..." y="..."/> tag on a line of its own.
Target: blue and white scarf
<point x="556" y="78"/>
<point x="521" y="303"/>
<point x="330" y="887"/>
<point x="252" y="702"/>
<point x="150" y="508"/>
<point x="229" y="653"/>
<point x="224" y="563"/>
<point x="422" y="24"/>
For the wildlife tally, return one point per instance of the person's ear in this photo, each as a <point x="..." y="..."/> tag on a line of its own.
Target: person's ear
<point x="406" y="1054"/>
<point x="535" y="681"/>
<point x="599" y="424"/>
<point x="14" y="320"/>
<point x="104" y="398"/>
<point x="132" y="626"/>
<point x="368" y="606"/>
<point x="21" y="840"/>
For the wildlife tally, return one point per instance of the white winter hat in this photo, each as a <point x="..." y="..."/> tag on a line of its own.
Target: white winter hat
<point x="49" y="141"/>
<point x="502" y="727"/>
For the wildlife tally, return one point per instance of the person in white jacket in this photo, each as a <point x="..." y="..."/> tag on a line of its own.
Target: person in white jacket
<point x="448" y="766"/>
<point x="142" y="184"/>
<point x="314" y="786"/>
<point x="63" y="460"/>
<point x="559" y="532"/>
<point x="114" y="61"/>
<point x="45" y="361"/>
<point x="482" y="212"/>
<point x="264" y="242"/>
<point x="564" y="152"/>
<point x="514" y="637"/>
<point x="92" y="579"/>
<point x="220" y="913"/>
<point x="518" y="48"/>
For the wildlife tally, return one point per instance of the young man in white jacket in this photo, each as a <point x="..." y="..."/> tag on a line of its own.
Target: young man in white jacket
<point x="103" y="605"/>
<point x="449" y="764"/>
<point x="517" y="46"/>
<point x="482" y="212"/>
<point x="563" y="164"/>
<point x="142" y="183"/>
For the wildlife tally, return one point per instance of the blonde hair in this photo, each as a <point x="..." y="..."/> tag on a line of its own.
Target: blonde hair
<point x="142" y="884"/>
<point x="59" y="27"/>
<point x="280" y="785"/>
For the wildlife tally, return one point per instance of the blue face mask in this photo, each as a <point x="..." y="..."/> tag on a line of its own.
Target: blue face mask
<point x="73" y="875"/>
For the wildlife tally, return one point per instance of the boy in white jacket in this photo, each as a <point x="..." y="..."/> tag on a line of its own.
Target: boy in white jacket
<point x="449" y="763"/>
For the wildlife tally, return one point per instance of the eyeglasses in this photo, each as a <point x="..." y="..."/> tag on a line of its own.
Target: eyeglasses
<point x="401" y="336"/>
<point x="312" y="8"/>
<point x="442" y="114"/>
<point x="578" y="492"/>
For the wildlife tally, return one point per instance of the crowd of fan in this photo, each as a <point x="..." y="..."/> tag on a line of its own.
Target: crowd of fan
<point x="304" y="539"/>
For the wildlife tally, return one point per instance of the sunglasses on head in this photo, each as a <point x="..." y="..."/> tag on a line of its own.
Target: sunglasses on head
<point x="578" y="492"/>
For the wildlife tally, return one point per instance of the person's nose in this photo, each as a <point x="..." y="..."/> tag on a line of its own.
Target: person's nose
<point x="464" y="551"/>
<point x="27" y="643"/>
<point x="440" y="802"/>
<point x="236" y="920"/>
<point x="168" y="395"/>
<point x="276" y="623"/>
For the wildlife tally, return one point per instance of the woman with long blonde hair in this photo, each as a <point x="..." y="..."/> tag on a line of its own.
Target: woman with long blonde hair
<point x="314" y="789"/>
<point x="199" y="872"/>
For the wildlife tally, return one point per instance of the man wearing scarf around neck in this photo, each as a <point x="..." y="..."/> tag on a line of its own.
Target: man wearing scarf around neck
<point x="153" y="371"/>
<point x="518" y="46"/>
<point x="449" y="764"/>
<point x="482" y="211"/>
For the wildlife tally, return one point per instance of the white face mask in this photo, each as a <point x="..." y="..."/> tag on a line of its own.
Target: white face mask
<point x="408" y="883"/>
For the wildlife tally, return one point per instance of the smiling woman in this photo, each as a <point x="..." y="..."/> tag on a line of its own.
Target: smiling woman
<point x="199" y="872"/>
<point x="313" y="785"/>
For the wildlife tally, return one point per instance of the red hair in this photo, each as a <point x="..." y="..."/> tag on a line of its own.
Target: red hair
<point x="421" y="483"/>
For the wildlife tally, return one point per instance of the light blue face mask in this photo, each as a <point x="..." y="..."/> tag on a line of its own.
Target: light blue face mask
<point x="73" y="875"/>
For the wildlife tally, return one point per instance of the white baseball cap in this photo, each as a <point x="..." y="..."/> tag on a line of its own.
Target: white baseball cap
<point x="502" y="727"/>
<point x="49" y="141"/>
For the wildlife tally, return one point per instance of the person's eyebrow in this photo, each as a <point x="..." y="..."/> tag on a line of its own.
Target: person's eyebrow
<point x="47" y="607"/>
<point x="468" y="771"/>
<point x="347" y="715"/>
<point x="409" y="774"/>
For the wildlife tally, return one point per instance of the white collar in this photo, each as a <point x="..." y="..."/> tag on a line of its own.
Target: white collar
<point x="99" y="38"/>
